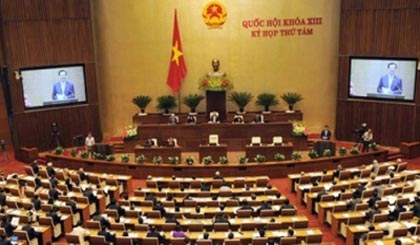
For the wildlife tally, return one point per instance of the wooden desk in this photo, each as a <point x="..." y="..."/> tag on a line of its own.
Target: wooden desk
<point x="215" y="151"/>
<point x="164" y="151"/>
<point x="189" y="137"/>
<point x="268" y="151"/>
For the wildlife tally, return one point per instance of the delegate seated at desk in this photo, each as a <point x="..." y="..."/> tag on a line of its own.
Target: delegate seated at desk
<point x="173" y="119"/>
<point x="191" y="119"/>
<point x="214" y="117"/>
<point x="63" y="89"/>
<point x="259" y="118"/>
<point x="238" y="119"/>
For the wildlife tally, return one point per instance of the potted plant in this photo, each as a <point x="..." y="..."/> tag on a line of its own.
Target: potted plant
<point x="125" y="158"/>
<point x="165" y="103"/>
<point x="140" y="159"/>
<point x="266" y="100"/>
<point x="84" y="154"/>
<point x="142" y="101"/>
<point x="313" y="154"/>
<point x="279" y="157"/>
<point x="207" y="160"/>
<point x="73" y="152"/>
<point x="374" y="146"/>
<point x="327" y="153"/>
<point x="291" y="98"/>
<point x="243" y="159"/>
<point x="110" y="158"/>
<point x="241" y="99"/>
<point x="58" y="150"/>
<point x="296" y="156"/>
<point x="355" y="150"/>
<point x="192" y="101"/>
<point x="157" y="159"/>
<point x="190" y="160"/>
<point x="173" y="160"/>
<point x="342" y="151"/>
<point x="259" y="158"/>
<point x="223" y="160"/>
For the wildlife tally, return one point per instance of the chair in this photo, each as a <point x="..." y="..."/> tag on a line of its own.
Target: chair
<point x="234" y="241"/>
<point x="344" y="175"/>
<point x="375" y="235"/>
<point x="23" y="235"/>
<point x="248" y="226"/>
<point x="75" y="239"/>
<point x="239" y="183"/>
<point x="204" y="242"/>
<point x="29" y="171"/>
<point x="141" y="227"/>
<point x="74" y="216"/>
<point x="57" y="230"/>
<point x="195" y="184"/>
<point x="150" y="241"/>
<point x="124" y="240"/>
<point x="216" y="183"/>
<point x="377" y="218"/>
<point x="326" y="178"/>
<point x="361" y="206"/>
<point x="220" y="226"/>
<point x="300" y="224"/>
<point x="195" y="227"/>
<point x="232" y="203"/>
<point x="132" y="213"/>
<point x="246" y="213"/>
<point x="90" y="224"/>
<point x="401" y="167"/>
<point x="267" y="213"/>
<point x="400" y="232"/>
<point x="153" y="214"/>
<point x="98" y="240"/>
<point x="190" y="203"/>
<point x="261" y="182"/>
<point x="277" y="226"/>
<point x="259" y="240"/>
<point x="174" y="184"/>
<point x="313" y="238"/>
<point x="151" y="184"/>
<point x="118" y="226"/>
<point x="405" y="216"/>
<point x="288" y="212"/>
<point x="111" y="212"/>
<point x="288" y="240"/>
<point x="177" y="241"/>
<point x="168" y="226"/>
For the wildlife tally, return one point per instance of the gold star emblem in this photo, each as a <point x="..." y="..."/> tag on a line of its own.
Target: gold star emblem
<point x="177" y="53"/>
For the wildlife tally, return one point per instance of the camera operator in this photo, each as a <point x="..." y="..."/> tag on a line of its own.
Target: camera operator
<point x="360" y="132"/>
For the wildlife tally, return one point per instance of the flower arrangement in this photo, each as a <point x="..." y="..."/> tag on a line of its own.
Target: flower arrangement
<point x="327" y="153"/>
<point x="190" y="160"/>
<point x="374" y="146"/>
<point x="207" y="160"/>
<point x="130" y="132"/>
<point x="299" y="128"/>
<point x="313" y="154"/>
<point x="243" y="159"/>
<point x="140" y="159"/>
<point x="215" y="83"/>
<point x="223" y="160"/>
<point x="342" y="151"/>
<point x="296" y="156"/>
<point x="279" y="157"/>
<point x="173" y="160"/>
<point x="125" y="158"/>
<point x="157" y="159"/>
<point x="259" y="158"/>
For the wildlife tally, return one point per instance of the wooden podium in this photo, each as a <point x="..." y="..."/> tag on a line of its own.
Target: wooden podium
<point x="216" y="101"/>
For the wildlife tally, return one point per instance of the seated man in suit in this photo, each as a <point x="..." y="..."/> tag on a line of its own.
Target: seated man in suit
<point x="50" y="169"/>
<point x="54" y="193"/>
<point x="191" y="119"/>
<point x="172" y="142"/>
<point x="115" y="206"/>
<point x="214" y="117"/>
<point x="259" y="118"/>
<point x="173" y="119"/>
<point x="286" y="205"/>
<point x="150" y="143"/>
<point x="72" y="204"/>
<point x="109" y="237"/>
<point x="36" y="202"/>
<point x="54" y="216"/>
<point x="238" y="119"/>
<point x="153" y="233"/>
<point x="35" y="167"/>
<point x="32" y="233"/>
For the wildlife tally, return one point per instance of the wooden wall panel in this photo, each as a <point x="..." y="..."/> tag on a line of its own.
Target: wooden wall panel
<point x="49" y="33"/>
<point x="385" y="29"/>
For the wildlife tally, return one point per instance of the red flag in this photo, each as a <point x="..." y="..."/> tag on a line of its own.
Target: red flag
<point x="177" y="68"/>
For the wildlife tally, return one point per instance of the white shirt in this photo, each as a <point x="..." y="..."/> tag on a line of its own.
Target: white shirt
<point x="89" y="141"/>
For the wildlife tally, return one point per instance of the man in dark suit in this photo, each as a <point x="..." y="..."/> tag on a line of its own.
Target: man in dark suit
<point x="326" y="133"/>
<point x="371" y="213"/>
<point x="217" y="175"/>
<point x="82" y="175"/>
<point x="31" y="232"/>
<point x="390" y="83"/>
<point x="104" y="222"/>
<point x="35" y="167"/>
<point x="36" y="202"/>
<point x="7" y="225"/>
<point x="54" y="193"/>
<point x="416" y="207"/>
<point x="221" y="218"/>
<point x="53" y="214"/>
<point x="91" y="197"/>
<point x="245" y="206"/>
<point x="393" y="215"/>
<point x="153" y="233"/>
<point x="264" y="206"/>
<point x="50" y="169"/>
<point x="2" y="197"/>
<point x="63" y="89"/>
<point x="53" y="181"/>
<point x="158" y="207"/>
<point x="286" y="205"/>
<point x="171" y="219"/>
<point x="72" y="204"/>
<point x="109" y="237"/>
<point x="115" y="206"/>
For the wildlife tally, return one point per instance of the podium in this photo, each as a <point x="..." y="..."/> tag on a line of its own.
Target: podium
<point x="216" y="101"/>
